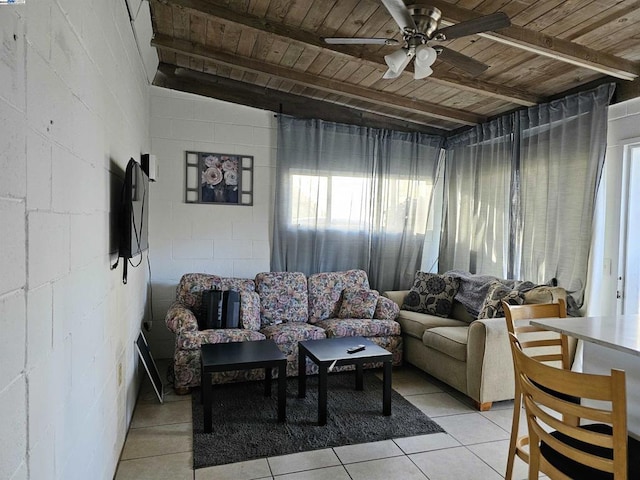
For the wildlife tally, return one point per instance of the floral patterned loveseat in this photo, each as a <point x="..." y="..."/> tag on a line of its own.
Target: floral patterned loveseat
<point x="287" y="307"/>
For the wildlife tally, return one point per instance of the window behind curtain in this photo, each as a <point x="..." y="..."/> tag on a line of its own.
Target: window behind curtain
<point x="352" y="197"/>
<point x="562" y="151"/>
<point x="519" y="193"/>
<point x="341" y="202"/>
<point x="477" y="200"/>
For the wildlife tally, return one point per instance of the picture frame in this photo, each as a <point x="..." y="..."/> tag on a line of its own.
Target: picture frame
<point x="219" y="178"/>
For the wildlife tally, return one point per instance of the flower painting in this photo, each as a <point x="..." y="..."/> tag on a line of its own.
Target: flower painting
<point x="219" y="179"/>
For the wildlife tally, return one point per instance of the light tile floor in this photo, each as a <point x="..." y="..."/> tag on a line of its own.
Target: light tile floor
<point x="159" y="443"/>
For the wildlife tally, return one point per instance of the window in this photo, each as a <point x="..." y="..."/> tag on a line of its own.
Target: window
<point x="343" y="202"/>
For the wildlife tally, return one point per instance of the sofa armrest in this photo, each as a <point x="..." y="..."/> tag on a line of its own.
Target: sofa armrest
<point x="180" y="318"/>
<point x="386" y="309"/>
<point x="489" y="363"/>
<point x="396" y="295"/>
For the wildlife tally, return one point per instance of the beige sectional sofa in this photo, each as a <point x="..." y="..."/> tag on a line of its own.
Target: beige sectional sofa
<point x="471" y="355"/>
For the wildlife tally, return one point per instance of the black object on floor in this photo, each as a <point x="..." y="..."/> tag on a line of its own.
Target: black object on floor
<point x="245" y="428"/>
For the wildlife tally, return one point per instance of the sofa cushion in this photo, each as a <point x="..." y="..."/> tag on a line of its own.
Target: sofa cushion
<point x="193" y="340"/>
<point x="357" y="327"/>
<point x="498" y="292"/>
<point x="460" y="312"/>
<point x="538" y="295"/>
<point x="283" y="297"/>
<point x="358" y="303"/>
<point x="432" y="294"/>
<point x="325" y="291"/>
<point x="414" y="324"/>
<point x="191" y="286"/>
<point x="545" y="294"/>
<point x="386" y="309"/>
<point x="250" y="310"/>
<point x="292" y="333"/>
<point x="451" y="341"/>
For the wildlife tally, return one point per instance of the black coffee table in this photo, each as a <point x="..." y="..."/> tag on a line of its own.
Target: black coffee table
<point x="327" y="352"/>
<point x="220" y="357"/>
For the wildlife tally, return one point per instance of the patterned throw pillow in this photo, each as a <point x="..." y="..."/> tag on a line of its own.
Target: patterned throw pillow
<point x="432" y="294"/>
<point x="492" y="305"/>
<point x="358" y="303"/>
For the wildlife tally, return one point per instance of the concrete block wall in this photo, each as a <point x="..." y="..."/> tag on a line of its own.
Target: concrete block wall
<point x="220" y="239"/>
<point x="73" y="108"/>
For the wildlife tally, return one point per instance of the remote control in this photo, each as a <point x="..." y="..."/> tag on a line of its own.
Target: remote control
<point x="355" y="349"/>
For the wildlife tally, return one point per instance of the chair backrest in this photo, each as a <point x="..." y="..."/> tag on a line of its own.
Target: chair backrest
<point x="539" y="346"/>
<point x="601" y="446"/>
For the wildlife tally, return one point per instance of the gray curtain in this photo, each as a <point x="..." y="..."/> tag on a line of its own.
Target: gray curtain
<point x="531" y="179"/>
<point x="476" y="199"/>
<point x="352" y="197"/>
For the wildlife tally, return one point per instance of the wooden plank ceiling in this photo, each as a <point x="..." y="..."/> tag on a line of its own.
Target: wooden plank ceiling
<point x="270" y="54"/>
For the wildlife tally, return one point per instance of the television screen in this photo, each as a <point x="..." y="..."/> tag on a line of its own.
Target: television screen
<point x="134" y="225"/>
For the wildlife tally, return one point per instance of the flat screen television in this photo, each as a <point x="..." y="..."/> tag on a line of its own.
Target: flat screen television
<point x="134" y="212"/>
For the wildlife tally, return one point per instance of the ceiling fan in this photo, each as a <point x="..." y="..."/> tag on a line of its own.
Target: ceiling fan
<point x="419" y="25"/>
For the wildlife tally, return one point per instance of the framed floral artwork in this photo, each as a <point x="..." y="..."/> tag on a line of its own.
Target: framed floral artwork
<point x="219" y="178"/>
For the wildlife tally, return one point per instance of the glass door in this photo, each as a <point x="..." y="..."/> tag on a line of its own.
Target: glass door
<point x="629" y="280"/>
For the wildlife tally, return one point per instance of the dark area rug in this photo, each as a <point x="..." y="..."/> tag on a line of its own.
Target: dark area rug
<point x="245" y="425"/>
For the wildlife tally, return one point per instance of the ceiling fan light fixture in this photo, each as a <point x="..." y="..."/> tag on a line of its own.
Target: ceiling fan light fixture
<point x="390" y="74"/>
<point x="398" y="61"/>
<point x="420" y="72"/>
<point x="425" y="56"/>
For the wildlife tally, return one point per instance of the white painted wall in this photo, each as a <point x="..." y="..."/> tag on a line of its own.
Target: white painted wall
<point x="226" y="240"/>
<point x="73" y="103"/>
<point x="624" y="123"/>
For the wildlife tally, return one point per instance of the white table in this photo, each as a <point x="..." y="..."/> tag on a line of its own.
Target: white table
<point x="609" y="342"/>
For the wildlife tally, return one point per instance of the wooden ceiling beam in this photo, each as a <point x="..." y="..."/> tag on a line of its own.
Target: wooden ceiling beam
<point x="545" y="45"/>
<point x="226" y="89"/>
<point x="566" y="51"/>
<point x="383" y="99"/>
<point x="441" y="75"/>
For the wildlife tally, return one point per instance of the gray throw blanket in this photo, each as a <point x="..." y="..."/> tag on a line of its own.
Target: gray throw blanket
<point x="474" y="288"/>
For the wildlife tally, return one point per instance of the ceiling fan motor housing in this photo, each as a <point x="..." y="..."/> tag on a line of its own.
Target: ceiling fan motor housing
<point x="426" y="18"/>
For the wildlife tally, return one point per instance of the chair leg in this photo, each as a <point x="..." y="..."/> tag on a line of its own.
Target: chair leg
<point x="515" y="424"/>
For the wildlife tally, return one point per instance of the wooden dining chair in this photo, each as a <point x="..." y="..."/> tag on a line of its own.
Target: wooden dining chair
<point x="600" y="447"/>
<point x="550" y="347"/>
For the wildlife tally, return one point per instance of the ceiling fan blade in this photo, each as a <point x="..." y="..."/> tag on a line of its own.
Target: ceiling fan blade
<point x="495" y="21"/>
<point x="400" y="14"/>
<point x="458" y="60"/>
<point x="360" y="41"/>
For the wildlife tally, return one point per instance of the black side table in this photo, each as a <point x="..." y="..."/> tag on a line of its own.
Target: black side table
<point x="330" y="351"/>
<point x="220" y="357"/>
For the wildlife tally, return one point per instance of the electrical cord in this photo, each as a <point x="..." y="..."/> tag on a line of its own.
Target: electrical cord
<point x="133" y="222"/>
<point x="149" y="323"/>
